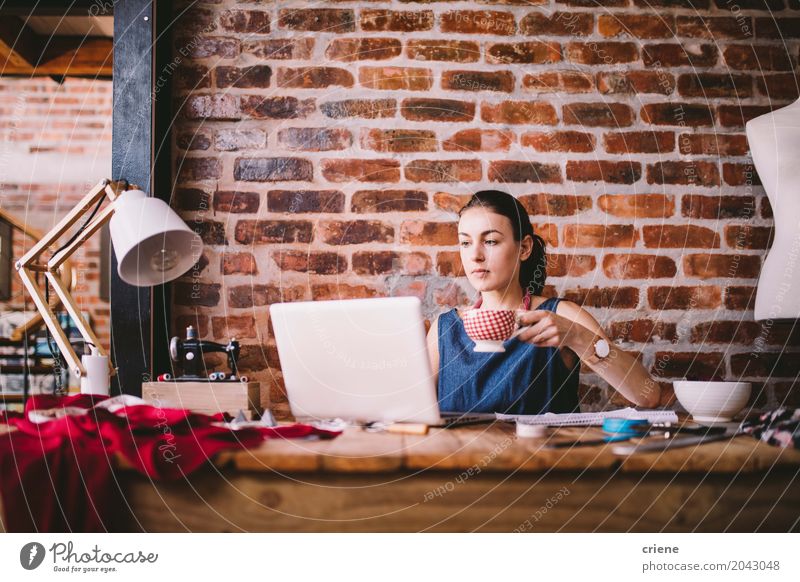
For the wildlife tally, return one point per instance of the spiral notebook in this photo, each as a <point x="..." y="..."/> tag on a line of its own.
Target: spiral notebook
<point x="590" y="418"/>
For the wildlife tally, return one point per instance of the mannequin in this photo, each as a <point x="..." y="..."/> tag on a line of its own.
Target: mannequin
<point x="774" y="141"/>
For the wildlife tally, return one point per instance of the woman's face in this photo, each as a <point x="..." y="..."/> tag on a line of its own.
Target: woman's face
<point x="489" y="253"/>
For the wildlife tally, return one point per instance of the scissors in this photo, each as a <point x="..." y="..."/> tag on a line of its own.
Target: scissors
<point x="623" y="429"/>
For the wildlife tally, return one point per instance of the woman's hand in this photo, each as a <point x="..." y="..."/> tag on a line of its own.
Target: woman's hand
<point x="544" y="328"/>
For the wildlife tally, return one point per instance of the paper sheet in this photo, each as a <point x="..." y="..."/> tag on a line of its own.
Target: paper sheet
<point x="590" y="418"/>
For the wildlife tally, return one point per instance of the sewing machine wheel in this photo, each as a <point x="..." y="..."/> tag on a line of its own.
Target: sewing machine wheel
<point x="173" y="348"/>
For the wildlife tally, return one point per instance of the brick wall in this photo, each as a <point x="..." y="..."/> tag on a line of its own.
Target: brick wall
<point x="323" y="149"/>
<point x="55" y="144"/>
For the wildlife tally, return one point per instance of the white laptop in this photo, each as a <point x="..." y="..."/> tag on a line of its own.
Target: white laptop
<point x="362" y="360"/>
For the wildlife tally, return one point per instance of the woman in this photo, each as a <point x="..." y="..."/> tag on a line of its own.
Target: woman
<point x="505" y="261"/>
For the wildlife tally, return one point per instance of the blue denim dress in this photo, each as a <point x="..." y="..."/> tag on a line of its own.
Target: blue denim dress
<point x="525" y="379"/>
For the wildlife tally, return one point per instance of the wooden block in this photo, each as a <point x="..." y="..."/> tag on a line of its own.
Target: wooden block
<point x="206" y="397"/>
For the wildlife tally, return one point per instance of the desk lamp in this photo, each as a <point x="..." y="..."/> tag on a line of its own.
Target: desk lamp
<point x="151" y="242"/>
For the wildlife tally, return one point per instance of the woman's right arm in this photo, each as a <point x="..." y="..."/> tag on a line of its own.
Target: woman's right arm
<point x="433" y="349"/>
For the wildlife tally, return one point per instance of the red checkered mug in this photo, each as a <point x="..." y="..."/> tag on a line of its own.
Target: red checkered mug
<point x="489" y="328"/>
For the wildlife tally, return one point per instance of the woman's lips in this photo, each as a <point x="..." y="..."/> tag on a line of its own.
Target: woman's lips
<point x="480" y="272"/>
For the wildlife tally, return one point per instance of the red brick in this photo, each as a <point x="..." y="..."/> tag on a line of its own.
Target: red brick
<point x="508" y="171"/>
<point x="448" y="264"/>
<point x="711" y="85"/>
<point x="199" y="169"/>
<point x="643" y="331"/>
<point x="390" y="262"/>
<point x="196" y="294"/>
<point x="314" y="78"/>
<point x="243" y="77"/>
<point x="458" y="51"/>
<point x="684" y="298"/>
<point x="757" y="58"/>
<point x="644" y="142"/>
<point x="234" y="201"/>
<point x="479" y="140"/>
<point x="614" y="297"/>
<point x="329" y="291"/>
<point x="549" y="233"/>
<point x="437" y="110"/>
<point x="637" y="205"/>
<point x="766" y="365"/>
<point x="716" y="28"/>
<point x="345" y="170"/>
<point x="238" y="264"/>
<point x="740" y="175"/>
<point x="313" y="262"/>
<point x="778" y="28"/>
<point x="600" y="235"/>
<point x="192" y="77"/>
<point x="278" y="49"/>
<point x="526" y="53"/>
<point x="250" y="295"/>
<point x="259" y="107"/>
<point x="211" y="231"/>
<point x="315" y="139"/>
<point x="502" y="81"/>
<point x="713" y="144"/>
<point x="299" y="201"/>
<point x="364" y="108"/>
<point x="519" y="112"/>
<point x="559" y="82"/>
<point x="272" y="169"/>
<point x="327" y="20"/>
<point x="604" y="171"/>
<point x="367" y="201"/>
<point x="193" y="141"/>
<point x="212" y="107"/>
<point x="557" y="24"/>
<point x="230" y="326"/>
<point x="598" y="114"/>
<point x="546" y="204"/>
<point x="395" y="78"/>
<point x="692" y="365"/>
<point x="692" y="115"/>
<point x="192" y="199"/>
<point x="738" y="115"/>
<point x="731" y="266"/>
<point x="696" y="173"/>
<point x="635" y="82"/>
<point x="638" y="266"/>
<point x="679" y="236"/>
<point x="399" y="140"/>
<point x="252" y="21"/>
<point x="450" y="202"/>
<point x="725" y="332"/>
<point x="559" y="141"/>
<point x="739" y="297"/>
<point x="717" y="207"/>
<point x="232" y="140"/>
<point x="601" y="53"/>
<point x="197" y="321"/>
<point x="350" y="232"/>
<point x="478" y="22"/>
<point x="396" y="21"/>
<point x="255" y="232"/>
<point x="679" y="55"/>
<point x="782" y="86"/>
<point x="570" y="265"/>
<point x="652" y="25"/>
<point x="363" y="49"/>
<point x="443" y="171"/>
<point x="749" y="237"/>
<point x="422" y="233"/>
<point x="209" y="46"/>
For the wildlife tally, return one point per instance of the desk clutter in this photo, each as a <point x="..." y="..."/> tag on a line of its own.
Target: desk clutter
<point x="57" y="463"/>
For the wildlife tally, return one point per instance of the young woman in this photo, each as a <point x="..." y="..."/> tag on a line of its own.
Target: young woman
<point x="505" y="261"/>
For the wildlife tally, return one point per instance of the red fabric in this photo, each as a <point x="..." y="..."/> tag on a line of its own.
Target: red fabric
<point x="57" y="476"/>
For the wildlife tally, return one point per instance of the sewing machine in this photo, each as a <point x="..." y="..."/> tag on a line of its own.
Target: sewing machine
<point x="189" y="354"/>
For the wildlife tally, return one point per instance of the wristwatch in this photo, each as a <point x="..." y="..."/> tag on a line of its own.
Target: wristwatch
<point x="601" y="350"/>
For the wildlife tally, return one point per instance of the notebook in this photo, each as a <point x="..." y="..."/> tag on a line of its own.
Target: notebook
<point x="590" y="418"/>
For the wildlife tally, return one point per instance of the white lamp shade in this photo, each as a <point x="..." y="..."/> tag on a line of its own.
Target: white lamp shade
<point x="151" y="242"/>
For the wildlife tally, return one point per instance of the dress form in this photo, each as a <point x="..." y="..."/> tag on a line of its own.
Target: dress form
<point x="774" y="141"/>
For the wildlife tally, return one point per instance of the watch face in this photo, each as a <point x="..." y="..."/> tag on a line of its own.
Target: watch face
<point x="601" y="348"/>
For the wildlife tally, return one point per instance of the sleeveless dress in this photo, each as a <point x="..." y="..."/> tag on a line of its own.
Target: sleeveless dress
<point x="525" y="379"/>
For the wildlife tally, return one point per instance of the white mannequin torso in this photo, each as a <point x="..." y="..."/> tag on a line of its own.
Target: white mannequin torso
<point x="774" y="141"/>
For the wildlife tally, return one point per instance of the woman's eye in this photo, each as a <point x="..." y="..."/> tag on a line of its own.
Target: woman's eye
<point x="464" y="243"/>
<point x="491" y="242"/>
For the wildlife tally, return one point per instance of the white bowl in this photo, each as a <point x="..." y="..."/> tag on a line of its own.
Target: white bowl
<point x="712" y="401"/>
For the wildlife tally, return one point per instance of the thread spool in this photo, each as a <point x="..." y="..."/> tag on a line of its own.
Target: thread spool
<point x="213" y="376"/>
<point x="532" y="431"/>
<point x="244" y="379"/>
<point x="220" y="376"/>
<point x="164" y="377"/>
<point x="97" y="379"/>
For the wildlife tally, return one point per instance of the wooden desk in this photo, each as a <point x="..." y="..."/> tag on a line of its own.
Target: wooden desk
<point x="478" y="478"/>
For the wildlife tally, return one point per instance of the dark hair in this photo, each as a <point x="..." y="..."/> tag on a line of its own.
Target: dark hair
<point x="533" y="270"/>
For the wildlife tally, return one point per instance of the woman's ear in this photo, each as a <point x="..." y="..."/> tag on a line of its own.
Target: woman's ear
<point x="525" y="247"/>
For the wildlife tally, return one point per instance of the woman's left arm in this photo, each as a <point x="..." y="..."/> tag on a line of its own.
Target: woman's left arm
<point x="576" y="329"/>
